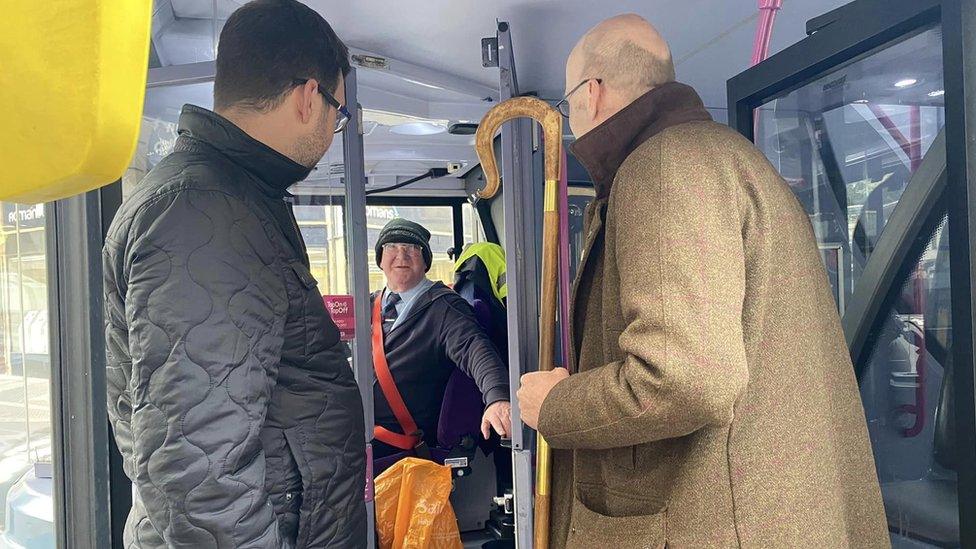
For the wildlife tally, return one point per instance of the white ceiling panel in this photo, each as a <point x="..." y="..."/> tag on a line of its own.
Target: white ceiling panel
<point x="440" y="40"/>
<point x="711" y="40"/>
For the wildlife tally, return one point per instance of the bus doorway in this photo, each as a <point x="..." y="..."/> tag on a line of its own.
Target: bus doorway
<point x="858" y="118"/>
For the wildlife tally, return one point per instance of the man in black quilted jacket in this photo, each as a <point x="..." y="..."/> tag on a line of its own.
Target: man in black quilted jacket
<point x="232" y="402"/>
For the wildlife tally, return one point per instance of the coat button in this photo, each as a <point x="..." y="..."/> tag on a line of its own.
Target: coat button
<point x="289" y="496"/>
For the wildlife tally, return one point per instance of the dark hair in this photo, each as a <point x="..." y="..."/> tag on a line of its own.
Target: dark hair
<point x="266" y="45"/>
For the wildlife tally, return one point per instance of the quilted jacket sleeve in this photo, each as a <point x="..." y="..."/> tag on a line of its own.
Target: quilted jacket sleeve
<point x="204" y="307"/>
<point x="675" y="233"/>
<point x="468" y="346"/>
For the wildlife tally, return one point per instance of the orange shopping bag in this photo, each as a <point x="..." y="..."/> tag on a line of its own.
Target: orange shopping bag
<point x="413" y="510"/>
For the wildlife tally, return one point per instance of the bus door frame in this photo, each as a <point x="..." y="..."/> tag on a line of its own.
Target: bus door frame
<point x="842" y="36"/>
<point x="358" y="278"/>
<point x="522" y="212"/>
<point x="83" y="467"/>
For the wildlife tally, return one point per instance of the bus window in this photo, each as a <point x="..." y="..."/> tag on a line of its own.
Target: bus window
<point x="849" y="143"/>
<point x="160" y="116"/>
<point x="907" y="393"/>
<point x="26" y="504"/>
<point x="579" y="199"/>
<point x="473" y="230"/>
<point x="323" y="230"/>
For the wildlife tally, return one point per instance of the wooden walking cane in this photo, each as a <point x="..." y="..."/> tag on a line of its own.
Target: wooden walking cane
<point x="552" y="126"/>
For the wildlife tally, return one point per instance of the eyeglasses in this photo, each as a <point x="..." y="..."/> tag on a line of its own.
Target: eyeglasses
<point x="343" y="116"/>
<point x="408" y="250"/>
<point x="563" y="105"/>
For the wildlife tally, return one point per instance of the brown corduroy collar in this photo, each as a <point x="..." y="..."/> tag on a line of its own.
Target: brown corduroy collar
<point x="604" y="148"/>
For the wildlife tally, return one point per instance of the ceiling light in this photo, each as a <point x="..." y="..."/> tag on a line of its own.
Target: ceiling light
<point x="418" y="128"/>
<point x="424" y="84"/>
<point x="905" y="83"/>
<point x="385" y="118"/>
<point x="860" y="101"/>
<point x="937" y="93"/>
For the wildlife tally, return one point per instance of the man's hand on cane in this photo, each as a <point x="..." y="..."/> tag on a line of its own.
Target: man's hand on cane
<point x="534" y="390"/>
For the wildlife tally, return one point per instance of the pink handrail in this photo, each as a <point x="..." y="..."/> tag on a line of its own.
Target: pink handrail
<point x="564" y="258"/>
<point x="760" y="45"/>
<point x="892" y="128"/>
<point x="764" y="30"/>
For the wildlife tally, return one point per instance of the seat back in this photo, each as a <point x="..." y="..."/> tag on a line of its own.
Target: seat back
<point x="472" y="281"/>
<point x="462" y="407"/>
<point x="461" y="411"/>
<point x="85" y="61"/>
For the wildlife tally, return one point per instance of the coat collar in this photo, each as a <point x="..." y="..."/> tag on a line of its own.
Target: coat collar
<point x="604" y="149"/>
<point x="275" y="171"/>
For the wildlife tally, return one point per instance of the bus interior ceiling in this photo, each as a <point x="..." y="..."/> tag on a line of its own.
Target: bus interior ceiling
<point x="419" y="70"/>
<point x="420" y="67"/>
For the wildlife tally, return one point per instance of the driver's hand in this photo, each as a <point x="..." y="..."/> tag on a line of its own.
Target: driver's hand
<point x="498" y="416"/>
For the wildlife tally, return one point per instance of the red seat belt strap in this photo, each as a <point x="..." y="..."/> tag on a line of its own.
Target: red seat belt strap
<point x="411" y="437"/>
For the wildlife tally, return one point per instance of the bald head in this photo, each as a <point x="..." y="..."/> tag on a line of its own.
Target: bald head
<point x="626" y="52"/>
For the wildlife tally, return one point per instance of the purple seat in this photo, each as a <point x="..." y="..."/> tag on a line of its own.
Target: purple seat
<point x="461" y="411"/>
<point x="463" y="405"/>
<point x="481" y="311"/>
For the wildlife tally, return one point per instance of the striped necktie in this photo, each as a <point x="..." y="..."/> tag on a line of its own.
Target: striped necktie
<point x="390" y="313"/>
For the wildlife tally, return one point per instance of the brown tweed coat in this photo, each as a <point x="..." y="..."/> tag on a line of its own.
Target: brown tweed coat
<point x="713" y="402"/>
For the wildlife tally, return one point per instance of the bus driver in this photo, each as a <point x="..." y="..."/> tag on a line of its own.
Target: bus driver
<point x="427" y="331"/>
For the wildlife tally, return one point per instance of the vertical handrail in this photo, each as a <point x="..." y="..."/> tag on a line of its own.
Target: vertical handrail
<point x="564" y="257"/>
<point x="356" y="246"/>
<point x="552" y="121"/>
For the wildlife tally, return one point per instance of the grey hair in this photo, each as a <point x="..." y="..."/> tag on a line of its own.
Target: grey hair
<point x="626" y="66"/>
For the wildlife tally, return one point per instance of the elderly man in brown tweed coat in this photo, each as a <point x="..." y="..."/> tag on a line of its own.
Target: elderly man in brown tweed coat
<point x="713" y="402"/>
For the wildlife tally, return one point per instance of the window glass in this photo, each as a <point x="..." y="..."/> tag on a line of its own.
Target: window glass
<point x="907" y="390"/>
<point x="848" y="145"/>
<point x="849" y="142"/>
<point x="579" y="200"/>
<point x="160" y="118"/>
<point x="473" y="229"/>
<point x="323" y="228"/>
<point x="26" y="483"/>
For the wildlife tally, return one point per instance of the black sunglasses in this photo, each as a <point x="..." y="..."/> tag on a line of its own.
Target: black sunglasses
<point x="343" y="118"/>
<point x="563" y="104"/>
